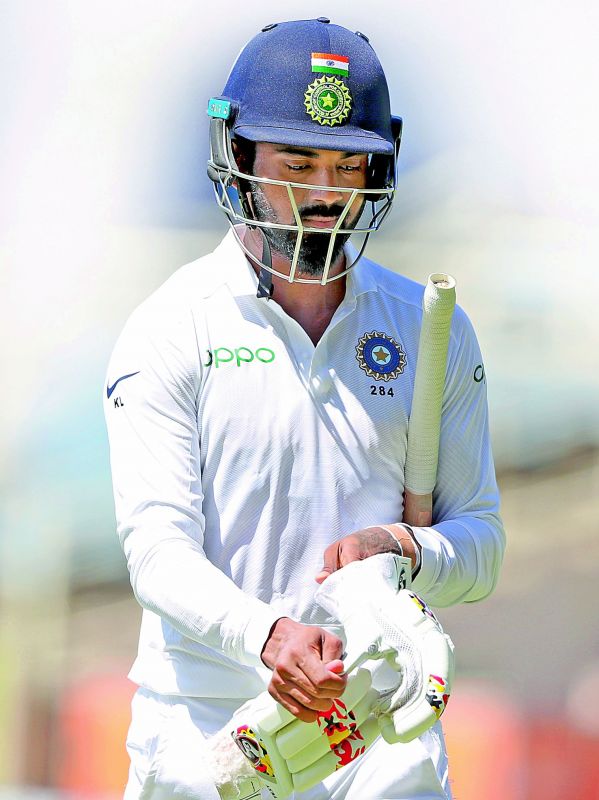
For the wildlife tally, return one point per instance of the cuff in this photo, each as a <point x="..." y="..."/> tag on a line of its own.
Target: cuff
<point x="431" y="559"/>
<point x="251" y="642"/>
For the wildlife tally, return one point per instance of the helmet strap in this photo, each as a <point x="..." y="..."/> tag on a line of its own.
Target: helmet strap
<point x="265" y="285"/>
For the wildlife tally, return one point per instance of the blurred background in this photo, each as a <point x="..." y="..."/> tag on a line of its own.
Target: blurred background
<point x="104" y="195"/>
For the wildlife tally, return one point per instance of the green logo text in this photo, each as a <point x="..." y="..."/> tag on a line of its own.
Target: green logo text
<point x="238" y="356"/>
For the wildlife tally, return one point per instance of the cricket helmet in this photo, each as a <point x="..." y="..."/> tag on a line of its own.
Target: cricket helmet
<point x="310" y="84"/>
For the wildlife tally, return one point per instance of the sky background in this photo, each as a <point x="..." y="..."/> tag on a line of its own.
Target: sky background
<point x="103" y="144"/>
<point x="102" y="162"/>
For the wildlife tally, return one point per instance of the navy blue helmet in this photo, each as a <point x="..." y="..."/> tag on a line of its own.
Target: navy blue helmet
<point x="311" y="84"/>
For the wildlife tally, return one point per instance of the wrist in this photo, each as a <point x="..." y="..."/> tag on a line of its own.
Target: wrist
<point x="273" y="641"/>
<point x="404" y="536"/>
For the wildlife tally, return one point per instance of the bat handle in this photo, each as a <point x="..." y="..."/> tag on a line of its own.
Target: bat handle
<point x="418" y="509"/>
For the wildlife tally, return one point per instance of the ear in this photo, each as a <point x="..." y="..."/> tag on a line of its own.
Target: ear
<point x="236" y="150"/>
<point x="242" y="186"/>
<point x="241" y="156"/>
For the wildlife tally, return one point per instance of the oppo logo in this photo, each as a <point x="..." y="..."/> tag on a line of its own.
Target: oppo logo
<point x="238" y="356"/>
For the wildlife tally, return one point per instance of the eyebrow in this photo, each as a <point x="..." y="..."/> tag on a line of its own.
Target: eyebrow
<point x="301" y="151"/>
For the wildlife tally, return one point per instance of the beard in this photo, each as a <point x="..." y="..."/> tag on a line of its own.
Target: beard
<point x="314" y="246"/>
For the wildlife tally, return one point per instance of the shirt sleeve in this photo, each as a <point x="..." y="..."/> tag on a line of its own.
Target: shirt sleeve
<point x="463" y="550"/>
<point x="150" y="404"/>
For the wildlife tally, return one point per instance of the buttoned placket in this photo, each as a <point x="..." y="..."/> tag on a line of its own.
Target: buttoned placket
<point x="313" y="362"/>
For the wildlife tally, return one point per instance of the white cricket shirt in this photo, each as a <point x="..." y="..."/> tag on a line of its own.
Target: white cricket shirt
<point x="240" y="451"/>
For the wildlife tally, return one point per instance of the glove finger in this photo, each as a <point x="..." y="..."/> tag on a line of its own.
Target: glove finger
<point x="406" y="724"/>
<point x="327" y="741"/>
<point x="272" y="715"/>
<point x="299" y="734"/>
<point x="296" y="709"/>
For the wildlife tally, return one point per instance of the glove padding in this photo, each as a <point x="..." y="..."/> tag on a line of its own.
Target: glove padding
<point x="397" y="638"/>
<point x="401" y="667"/>
<point x="292" y="756"/>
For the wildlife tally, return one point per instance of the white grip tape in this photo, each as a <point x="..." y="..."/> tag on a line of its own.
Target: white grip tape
<point x="438" y="304"/>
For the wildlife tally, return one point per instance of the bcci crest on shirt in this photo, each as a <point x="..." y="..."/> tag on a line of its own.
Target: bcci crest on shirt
<point x="380" y="356"/>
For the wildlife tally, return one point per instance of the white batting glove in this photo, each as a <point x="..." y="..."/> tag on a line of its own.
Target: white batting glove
<point x="289" y="755"/>
<point x="401" y="666"/>
<point x="394" y="634"/>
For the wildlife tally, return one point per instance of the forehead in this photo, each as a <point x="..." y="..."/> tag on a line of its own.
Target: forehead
<point x="270" y="149"/>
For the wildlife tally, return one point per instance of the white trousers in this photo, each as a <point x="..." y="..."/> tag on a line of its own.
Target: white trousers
<point x="165" y="745"/>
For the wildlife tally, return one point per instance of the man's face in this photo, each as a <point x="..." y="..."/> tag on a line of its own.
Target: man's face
<point x="318" y="208"/>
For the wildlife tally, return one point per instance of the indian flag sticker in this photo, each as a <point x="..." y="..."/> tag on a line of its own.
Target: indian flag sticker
<point x="330" y="63"/>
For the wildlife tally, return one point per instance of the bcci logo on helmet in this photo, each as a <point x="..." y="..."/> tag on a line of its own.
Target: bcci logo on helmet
<point x="328" y="101"/>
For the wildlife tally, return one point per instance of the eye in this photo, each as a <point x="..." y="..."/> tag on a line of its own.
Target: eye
<point x="297" y="167"/>
<point x="351" y="167"/>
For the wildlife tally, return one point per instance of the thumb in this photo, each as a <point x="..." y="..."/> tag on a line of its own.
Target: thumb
<point x="330" y="562"/>
<point x="332" y="650"/>
<point x="322" y="575"/>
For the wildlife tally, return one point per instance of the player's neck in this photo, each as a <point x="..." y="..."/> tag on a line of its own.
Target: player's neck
<point x="311" y="305"/>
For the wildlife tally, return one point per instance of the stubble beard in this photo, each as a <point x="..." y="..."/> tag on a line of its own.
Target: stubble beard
<point x="314" y="247"/>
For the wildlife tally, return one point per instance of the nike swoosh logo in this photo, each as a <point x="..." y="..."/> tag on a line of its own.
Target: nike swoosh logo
<point x="110" y="389"/>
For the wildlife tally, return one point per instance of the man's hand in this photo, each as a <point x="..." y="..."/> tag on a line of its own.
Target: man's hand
<point x="288" y="755"/>
<point x="399" y="692"/>
<point x="365" y="543"/>
<point x="306" y="664"/>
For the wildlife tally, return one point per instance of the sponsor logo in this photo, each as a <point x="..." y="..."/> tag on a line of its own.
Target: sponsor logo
<point x="237" y="356"/>
<point x="340" y="726"/>
<point x="254" y="750"/>
<point x="219" y="108"/>
<point x="349" y="749"/>
<point x="328" y="101"/>
<point x="437" y="694"/>
<point x="403" y="577"/>
<point x="337" y="723"/>
<point x="423" y="606"/>
<point x="380" y="356"/>
<point x="110" y="389"/>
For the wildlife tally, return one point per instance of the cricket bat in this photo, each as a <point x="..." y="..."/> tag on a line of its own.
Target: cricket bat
<point x="424" y="425"/>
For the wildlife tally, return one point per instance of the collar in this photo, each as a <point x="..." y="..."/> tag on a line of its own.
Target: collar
<point x="360" y="279"/>
<point x="234" y="266"/>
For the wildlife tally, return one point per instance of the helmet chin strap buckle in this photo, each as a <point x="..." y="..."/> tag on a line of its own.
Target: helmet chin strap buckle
<point x="265" y="285"/>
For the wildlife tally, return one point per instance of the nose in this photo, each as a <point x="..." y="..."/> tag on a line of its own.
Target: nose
<point x="326" y="176"/>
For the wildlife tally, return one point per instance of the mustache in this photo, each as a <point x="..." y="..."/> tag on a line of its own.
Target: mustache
<point x="321" y="211"/>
